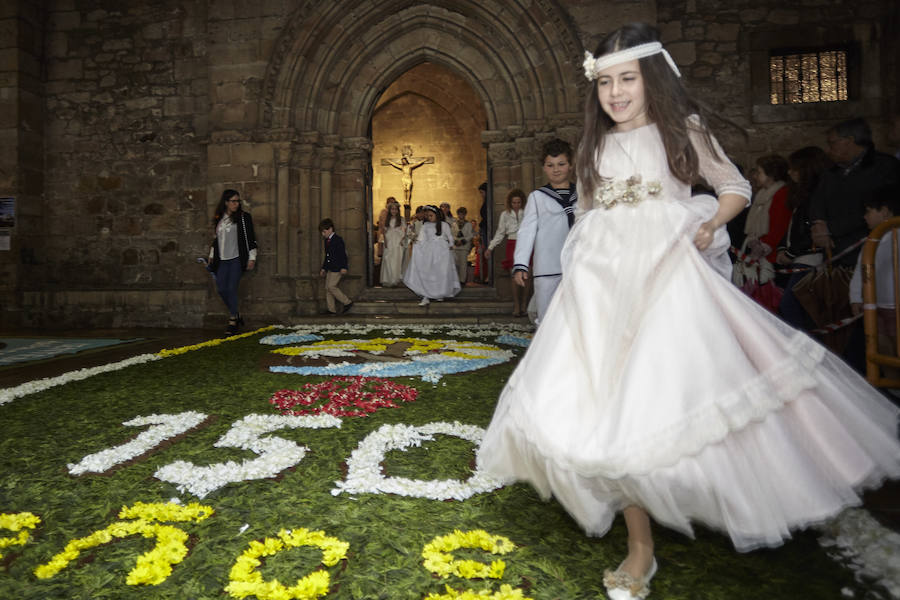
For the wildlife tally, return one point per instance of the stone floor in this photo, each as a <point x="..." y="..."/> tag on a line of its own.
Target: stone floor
<point x="884" y="503"/>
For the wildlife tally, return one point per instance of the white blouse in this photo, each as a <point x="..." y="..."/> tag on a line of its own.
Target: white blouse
<point x="508" y="227"/>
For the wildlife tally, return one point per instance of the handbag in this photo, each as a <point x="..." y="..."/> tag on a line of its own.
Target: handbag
<point x="824" y="293"/>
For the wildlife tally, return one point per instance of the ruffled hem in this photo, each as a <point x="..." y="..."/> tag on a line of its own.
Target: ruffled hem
<point x="794" y="468"/>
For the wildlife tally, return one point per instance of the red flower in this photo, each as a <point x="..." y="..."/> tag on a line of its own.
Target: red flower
<point x="340" y="395"/>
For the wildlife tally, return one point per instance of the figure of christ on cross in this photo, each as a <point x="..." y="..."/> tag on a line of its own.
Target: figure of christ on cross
<point x="406" y="165"/>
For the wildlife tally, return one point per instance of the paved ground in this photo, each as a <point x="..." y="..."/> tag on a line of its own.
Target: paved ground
<point x="884" y="503"/>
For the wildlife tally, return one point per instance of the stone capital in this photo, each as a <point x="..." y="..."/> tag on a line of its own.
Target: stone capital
<point x="503" y="153"/>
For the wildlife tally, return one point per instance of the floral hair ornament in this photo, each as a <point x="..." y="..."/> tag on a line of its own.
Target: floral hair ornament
<point x="593" y="66"/>
<point x="431" y="207"/>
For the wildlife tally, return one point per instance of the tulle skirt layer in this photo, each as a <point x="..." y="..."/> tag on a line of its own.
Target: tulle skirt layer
<point x="653" y="381"/>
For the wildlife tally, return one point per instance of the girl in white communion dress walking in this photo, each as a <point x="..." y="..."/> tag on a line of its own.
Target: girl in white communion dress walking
<point x="654" y="386"/>
<point x="431" y="272"/>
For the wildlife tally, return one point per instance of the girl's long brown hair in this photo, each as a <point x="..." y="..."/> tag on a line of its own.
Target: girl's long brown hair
<point x="669" y="106"/>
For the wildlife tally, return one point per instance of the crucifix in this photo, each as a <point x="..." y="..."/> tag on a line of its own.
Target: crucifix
<point x="406" y="164"/>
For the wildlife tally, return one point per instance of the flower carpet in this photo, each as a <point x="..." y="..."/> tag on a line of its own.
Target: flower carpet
<point x="333" y="461"/>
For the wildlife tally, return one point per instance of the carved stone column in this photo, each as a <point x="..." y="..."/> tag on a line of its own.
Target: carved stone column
<point x="285" y="259"/>
<point x="308" y="203"/>
<point x="350" y="203"/>
<point x="525" y="148"/>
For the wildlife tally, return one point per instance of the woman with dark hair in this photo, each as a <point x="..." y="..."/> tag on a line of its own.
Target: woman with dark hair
<point x="805" y="166"/>
<point x="232" y="252"/>
<point x="431" y="272"/>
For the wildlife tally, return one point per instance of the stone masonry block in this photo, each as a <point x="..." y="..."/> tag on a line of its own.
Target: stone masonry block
<point x="64" y="20"/>
<point x="723" y="31"/>
<point x="219" y="155"/>
<point x="245" y="154"/>
<point x="65" y="69"/>
<point x="178" y="105"/>
<point x="684" y="53"/>
<point x="226" y="92"/>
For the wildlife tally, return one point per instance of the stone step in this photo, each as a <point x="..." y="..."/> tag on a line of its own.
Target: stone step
<point x="403" y="293"/>
<point x="450" y="308"/>
<point x="472" y="300"/>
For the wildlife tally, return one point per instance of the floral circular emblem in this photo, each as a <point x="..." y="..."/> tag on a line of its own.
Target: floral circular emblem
<point x="387" y="357"/>
<point x="343" y="397"/>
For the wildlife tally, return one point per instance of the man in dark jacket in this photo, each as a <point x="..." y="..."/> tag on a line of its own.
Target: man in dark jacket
<point x="836" y="206"/>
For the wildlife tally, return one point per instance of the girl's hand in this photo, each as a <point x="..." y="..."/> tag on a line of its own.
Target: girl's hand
<point x="704" y="236"/>
<point x="487" y="252"/>
<point x="251" y="264"/>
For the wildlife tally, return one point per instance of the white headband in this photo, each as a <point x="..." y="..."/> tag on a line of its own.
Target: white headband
<point x="593" y="66"/>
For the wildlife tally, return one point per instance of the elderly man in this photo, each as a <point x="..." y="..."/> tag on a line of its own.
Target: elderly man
<point x="836" y="206"/>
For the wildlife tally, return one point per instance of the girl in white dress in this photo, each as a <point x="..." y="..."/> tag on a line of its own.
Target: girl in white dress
<point x="431" y="272"/>
<point x="394" y="234"/>
<point x="654" y="386"/>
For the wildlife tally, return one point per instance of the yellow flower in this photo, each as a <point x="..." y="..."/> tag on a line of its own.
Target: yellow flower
<point x="245" y="581"/>
<point x="17" y="522"/>
<point x="151" y="568"/>
<point x="175" y="351"/>
<point x="439" y="561"/>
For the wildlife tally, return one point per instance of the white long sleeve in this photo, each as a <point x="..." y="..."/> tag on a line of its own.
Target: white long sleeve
<point x="508" y="227"/>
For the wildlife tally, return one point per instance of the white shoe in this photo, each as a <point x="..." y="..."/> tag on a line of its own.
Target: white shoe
<point x="424" y="302"/>
<point x="622" y="586"/>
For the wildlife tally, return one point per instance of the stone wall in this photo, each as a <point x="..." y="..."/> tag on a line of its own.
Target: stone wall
<point x="125" y="99"/>
<point x="122" y="123"/>
<point x="722" y="49"/>
<point x="21" y="145"/>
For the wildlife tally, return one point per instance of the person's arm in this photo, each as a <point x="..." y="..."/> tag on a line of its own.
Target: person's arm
<point x="528" y="229"/>
<point x="501" y="230"/>
<point x="732" y="189"/>
<point x="856" y="299"/>
<point x="250" y="237"/>
<point x="341" y="254"/>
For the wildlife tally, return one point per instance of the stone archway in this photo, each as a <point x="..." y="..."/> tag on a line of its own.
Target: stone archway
<point x="333" y="61"/>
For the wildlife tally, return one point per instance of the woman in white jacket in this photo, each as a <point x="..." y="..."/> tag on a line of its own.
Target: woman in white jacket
<point x="507" y="228"/>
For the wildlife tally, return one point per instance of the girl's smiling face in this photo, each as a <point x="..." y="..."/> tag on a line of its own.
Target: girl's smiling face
<point x="620" y="89"/>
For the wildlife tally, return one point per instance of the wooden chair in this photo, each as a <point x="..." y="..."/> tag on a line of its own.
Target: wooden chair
<point x="875" y="359"/>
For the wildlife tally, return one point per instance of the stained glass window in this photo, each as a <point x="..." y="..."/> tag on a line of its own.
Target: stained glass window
<point x="808" y="77"/>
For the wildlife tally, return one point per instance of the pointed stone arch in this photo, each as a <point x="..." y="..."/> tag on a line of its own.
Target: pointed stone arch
<point x="332" y="62"/>
<point x="334" y="59"/>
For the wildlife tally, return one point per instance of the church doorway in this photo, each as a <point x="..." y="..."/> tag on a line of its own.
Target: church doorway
<point x="426" y="149"/>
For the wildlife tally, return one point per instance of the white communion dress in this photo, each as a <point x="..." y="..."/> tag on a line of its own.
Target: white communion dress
<point x="653" y="381"/>
<point x="392" y="260"/>
<point x="431" y="271"/>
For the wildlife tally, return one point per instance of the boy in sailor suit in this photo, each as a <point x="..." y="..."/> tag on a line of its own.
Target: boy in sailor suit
<point x="549" y="214"/>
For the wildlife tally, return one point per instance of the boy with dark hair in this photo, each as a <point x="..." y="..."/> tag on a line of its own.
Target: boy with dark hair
<point x="548" y="216"/>
<point x="882" y="205"/>
<point x="333" y="267"/>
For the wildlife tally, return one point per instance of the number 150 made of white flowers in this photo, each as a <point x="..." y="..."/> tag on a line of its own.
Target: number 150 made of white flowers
<point x="276" y="454"/>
